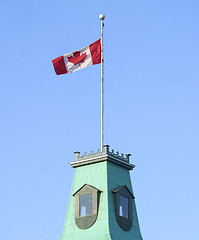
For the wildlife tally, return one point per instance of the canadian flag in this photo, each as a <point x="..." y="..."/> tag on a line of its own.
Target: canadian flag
<point x="74" y="61"/>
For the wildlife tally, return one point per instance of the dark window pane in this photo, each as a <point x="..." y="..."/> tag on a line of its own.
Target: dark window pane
<point x="123" y="206"/>
<point x="85" y="205"/>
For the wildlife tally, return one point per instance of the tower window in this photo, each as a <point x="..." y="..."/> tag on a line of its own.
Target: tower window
<point x="123" y="206"/>
<point x="85" y="205"/>
<point x="87" y="200"/>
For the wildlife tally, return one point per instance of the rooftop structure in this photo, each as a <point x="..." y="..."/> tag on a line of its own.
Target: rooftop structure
<point x="102" y="203"/>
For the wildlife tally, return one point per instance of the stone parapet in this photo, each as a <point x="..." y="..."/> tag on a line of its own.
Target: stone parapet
<point x="105" y="155"/>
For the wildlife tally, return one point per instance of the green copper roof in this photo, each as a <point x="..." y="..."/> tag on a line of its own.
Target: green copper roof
<point x="106" y="173"/>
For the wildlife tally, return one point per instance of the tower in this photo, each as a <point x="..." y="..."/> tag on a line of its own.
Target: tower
<point x="102" y="203"/>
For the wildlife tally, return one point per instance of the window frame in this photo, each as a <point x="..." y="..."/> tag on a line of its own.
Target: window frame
<point x="84" y="222"/>
<point x="124" y="223"/>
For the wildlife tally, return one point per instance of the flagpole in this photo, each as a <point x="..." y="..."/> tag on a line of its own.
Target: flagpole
<point x="102" y="17"/>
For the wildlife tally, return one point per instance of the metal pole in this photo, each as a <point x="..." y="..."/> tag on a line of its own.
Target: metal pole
<point x="102" y="16"/>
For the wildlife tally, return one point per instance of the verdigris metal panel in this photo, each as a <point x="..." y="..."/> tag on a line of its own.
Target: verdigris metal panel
<point x="106" y="174"/>
<point x="94" y="175"/>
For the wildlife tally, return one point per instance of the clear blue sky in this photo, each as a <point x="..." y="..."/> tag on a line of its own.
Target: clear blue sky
<point x="151" y="110"/>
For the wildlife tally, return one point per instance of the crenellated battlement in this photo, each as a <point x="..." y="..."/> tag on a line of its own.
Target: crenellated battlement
<point x="106" y="154"/>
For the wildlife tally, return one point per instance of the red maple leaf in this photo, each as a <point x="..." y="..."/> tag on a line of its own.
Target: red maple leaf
<point x="77" y="58"/>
